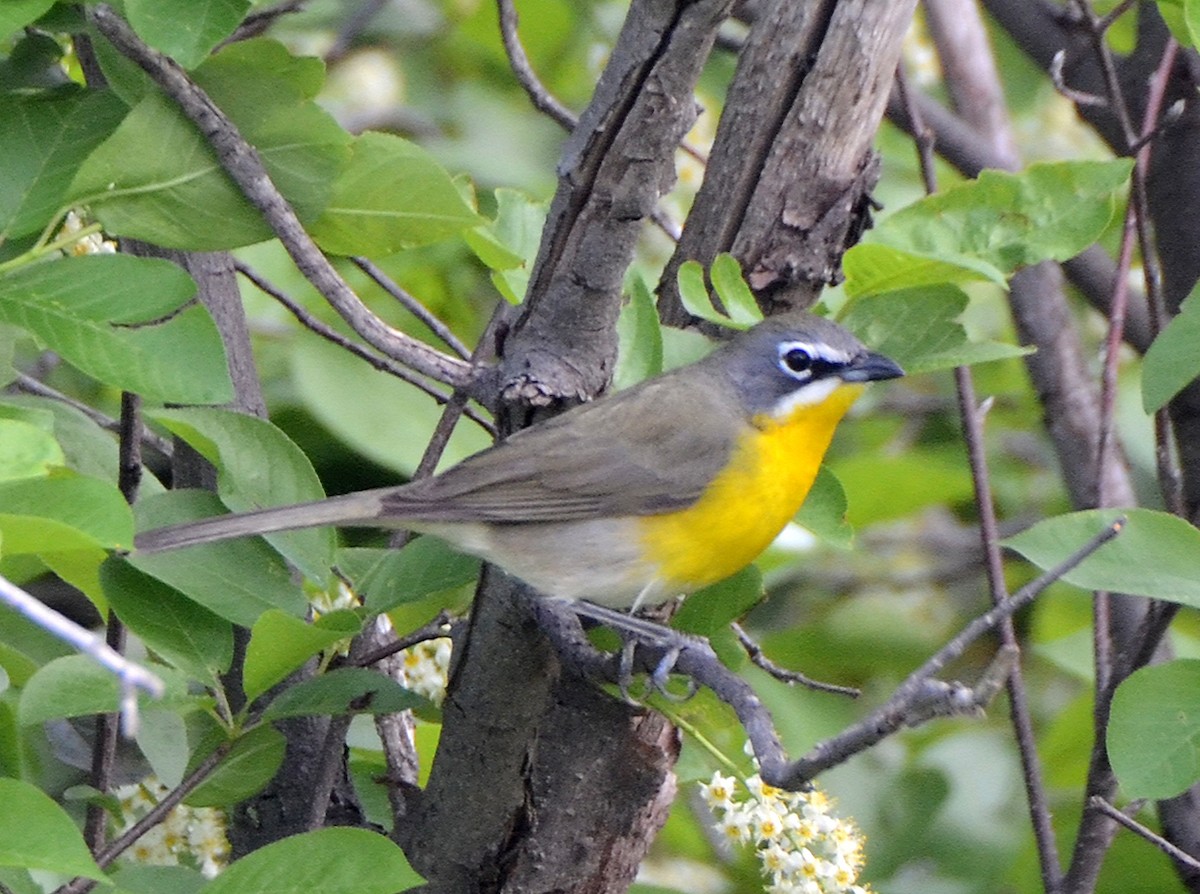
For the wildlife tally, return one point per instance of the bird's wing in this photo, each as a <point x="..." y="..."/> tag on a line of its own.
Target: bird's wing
<point x="634" y="454"/>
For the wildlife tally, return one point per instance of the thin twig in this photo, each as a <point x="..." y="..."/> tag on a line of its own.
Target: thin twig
<point x="108" y="726"/>
<point x="104" y="749"/>
<point x="132" y="677"/>
<point x="1169" y="118"/>
<point x="916" y="687"/>
<point x="260" y="20"/>
<point x="1170" y="478"/>
<point x="1105" y="22"/>
<point x="333" y="746"/>
<point x="972" y="415"/>
<point x="544" y="101"/>
<point x="330" y="334"/>
<point x="30" y="385"/>
<point x="441" y="625"/>
<point x="759" y="659"/>
<point x="1175" y="853"/>
<point x="153" y="817"/>
<point x="353" y="26"/>
<point x="518" y="60"/>
<point x="919" y="698"/>
<point x="413" y="306"/>
<point x="1096" y="829"/>
<point x="242" y="163"/>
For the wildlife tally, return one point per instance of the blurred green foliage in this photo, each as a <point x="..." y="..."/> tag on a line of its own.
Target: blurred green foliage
<point x="896" y="574"/>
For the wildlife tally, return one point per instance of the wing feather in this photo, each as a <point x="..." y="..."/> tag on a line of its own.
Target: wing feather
<point x="587" y="463"/>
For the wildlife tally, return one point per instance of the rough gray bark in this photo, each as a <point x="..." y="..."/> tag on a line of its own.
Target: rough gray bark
<point x="614" y="167"/>
<point x="787" y="182"/>
<point x="529" y="754"/>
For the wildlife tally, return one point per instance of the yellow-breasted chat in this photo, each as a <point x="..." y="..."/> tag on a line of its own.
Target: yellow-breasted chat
<point x="655" y="491"/>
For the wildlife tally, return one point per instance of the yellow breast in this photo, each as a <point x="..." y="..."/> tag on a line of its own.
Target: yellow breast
<point x="749" y="502"/>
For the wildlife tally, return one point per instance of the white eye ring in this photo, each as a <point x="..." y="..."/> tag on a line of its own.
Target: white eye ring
<point x="797" y="359"/>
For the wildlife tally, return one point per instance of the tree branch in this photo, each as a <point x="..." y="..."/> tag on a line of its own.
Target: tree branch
<point x="310" y="322"/>
<point x="786" y="185"/>
<point x="132" y="677"/>
<point x="241" y="162"/>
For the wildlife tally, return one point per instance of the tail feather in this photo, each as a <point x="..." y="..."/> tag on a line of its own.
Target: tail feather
<point x="352" y="509"/>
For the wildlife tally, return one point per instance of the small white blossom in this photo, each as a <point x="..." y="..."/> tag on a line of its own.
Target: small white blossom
<point x="191" y="836"/>
<point x="426" y="668"/>
<point x="802" y="846"/>
<point x="91" y="244"/>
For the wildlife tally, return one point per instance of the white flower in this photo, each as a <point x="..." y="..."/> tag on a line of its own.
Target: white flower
<point x="718" y="792"/>
<point x="192" y="836"/>
<point x="802" y="846"/>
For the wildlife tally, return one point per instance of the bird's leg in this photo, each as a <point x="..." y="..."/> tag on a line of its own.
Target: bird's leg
<point x="636" y="631"/>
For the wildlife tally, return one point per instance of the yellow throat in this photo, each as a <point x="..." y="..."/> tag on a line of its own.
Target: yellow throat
<point x="746" y="506"/>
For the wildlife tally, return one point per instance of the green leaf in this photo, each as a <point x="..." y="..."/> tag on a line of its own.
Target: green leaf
<point x="710" y="610"/>
<point x="59" y="514"/>
<point x="187" y="635"/>
<point x="914" y="479"/>
<point x="332" y="861"/>
<point x="89" y="449"/>
<point x="162" y="738"/>
<point x="696" y="300"/>
<point x="157" y="179"/>
<point x="918" y="328"/>
<point x="35" y="833"/>
<point x="138" y="878"/>
<point x="16" y="14"/>
<point x="1191" y="16"/>
<point x="824" y="511"/>
<point x="280" y="644"/>
<point x="118" y="319"/>
<point x="1173" y="361"/>
<point x="237" y="579"/>
<point x="43" y="141"/>
<point x="27" y="451"/>
<point x="1049" y="211"/>
<point x="187" y="32"/>
<point x="347" y="690"/>
<point x="392" y="195"/>
<point x="872" y="269"/>
<point x="423" y="567"/>
<point x="324" y="374"/>
<point x="1157" y="554"/>
<point x="639" y="335"/>
<point x="731" y="288"/>
<point x="1154" y="730"/>
<point x="251" y="764"/>
<point x="72" y="686"/>
<point x="259" y="466"/>
<point x="509" y="244"/>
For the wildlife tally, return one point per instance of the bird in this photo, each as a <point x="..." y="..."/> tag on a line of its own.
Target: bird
<point x="633" y="499"/>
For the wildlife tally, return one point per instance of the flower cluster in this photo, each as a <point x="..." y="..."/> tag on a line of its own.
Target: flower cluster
<point x="189" y="836"/>
<point x="426" y="667"/>
<point x="91" y="244"/>
<point x="802" y="846"/>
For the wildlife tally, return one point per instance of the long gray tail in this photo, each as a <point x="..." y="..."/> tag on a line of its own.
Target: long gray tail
<point x="361" y="508"/>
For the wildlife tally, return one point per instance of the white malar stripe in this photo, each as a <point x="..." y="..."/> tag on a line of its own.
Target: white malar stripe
<point x="806" y="396"/>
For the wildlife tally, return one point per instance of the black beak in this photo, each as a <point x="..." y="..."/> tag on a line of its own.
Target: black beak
<point x="871" y="367"/>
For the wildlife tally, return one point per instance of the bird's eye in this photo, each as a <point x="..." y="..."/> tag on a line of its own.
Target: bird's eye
<point x="797" y="360"/>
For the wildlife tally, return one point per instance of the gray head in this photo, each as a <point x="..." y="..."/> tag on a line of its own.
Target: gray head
<point x="798" y="359"/>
